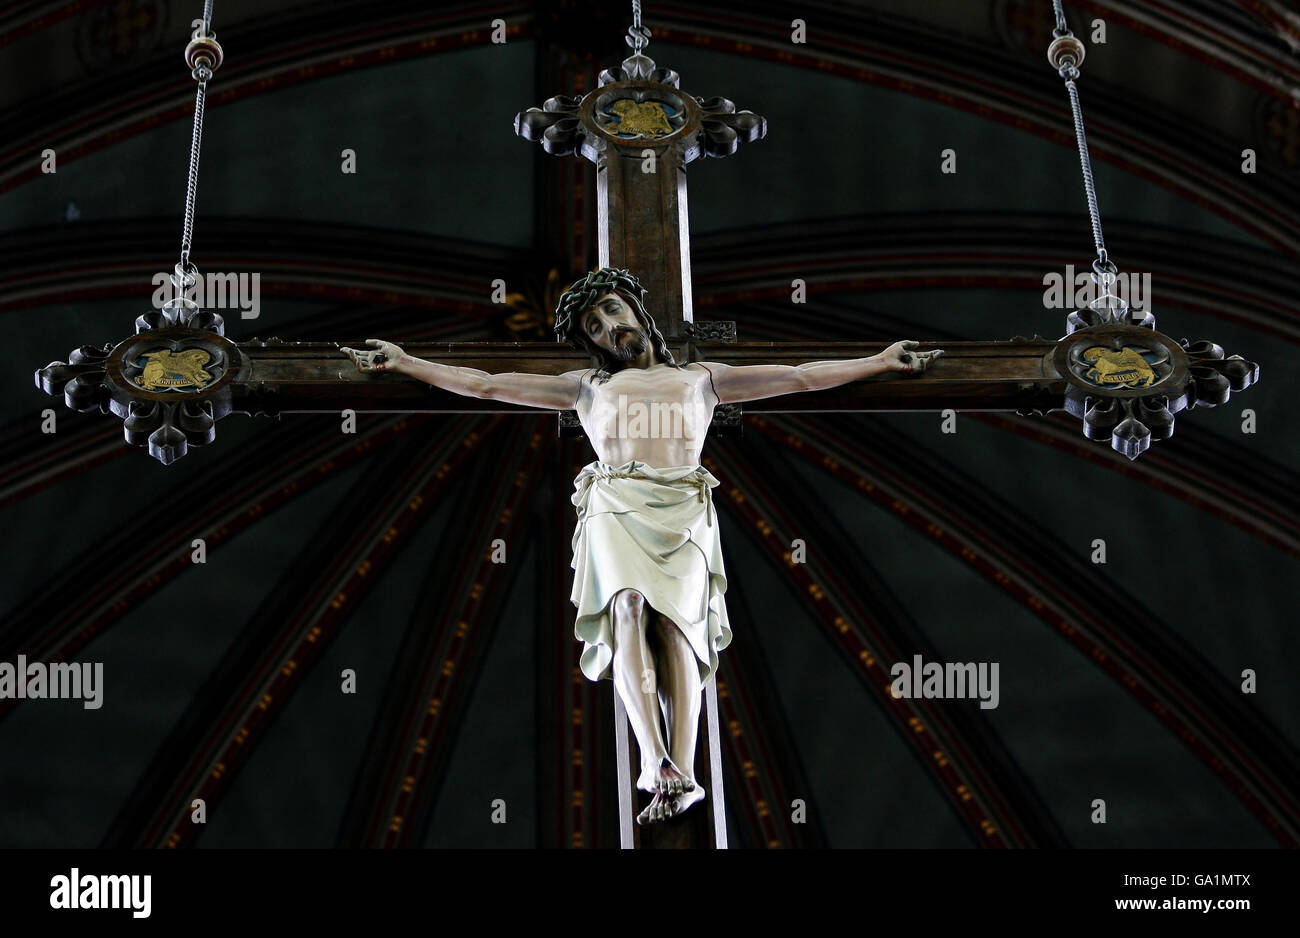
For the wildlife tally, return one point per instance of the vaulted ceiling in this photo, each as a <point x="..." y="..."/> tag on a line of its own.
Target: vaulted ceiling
<point x="1120" y="681"/>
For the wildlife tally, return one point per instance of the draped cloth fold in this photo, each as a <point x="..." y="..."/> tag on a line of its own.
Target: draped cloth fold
<point x="653" y="530"/>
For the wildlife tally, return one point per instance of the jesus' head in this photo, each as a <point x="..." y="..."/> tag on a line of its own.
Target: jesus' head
<point x="604" y="314"/>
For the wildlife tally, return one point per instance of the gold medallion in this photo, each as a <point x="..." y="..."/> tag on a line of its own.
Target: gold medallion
<point x="167" y="369"/>
<point x="1118" y="368"/>
<point x="641" y="119"/>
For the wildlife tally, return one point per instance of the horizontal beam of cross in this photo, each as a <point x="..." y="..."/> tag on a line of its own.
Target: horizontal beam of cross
<point x="306" y="377"/>
<point x="1126" y="382"/>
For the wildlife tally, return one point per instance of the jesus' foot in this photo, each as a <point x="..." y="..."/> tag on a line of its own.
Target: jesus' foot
<point x="671" y="780"/>
<point x="662" y="807"/>
<point x="659" y="809"/>
<point x="687" y="798"/>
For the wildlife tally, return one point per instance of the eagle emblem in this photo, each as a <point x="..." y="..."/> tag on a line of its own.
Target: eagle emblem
<point x="641" y="119"/>
<point x="167" y="369"/>
<point x="1124" y="367"/>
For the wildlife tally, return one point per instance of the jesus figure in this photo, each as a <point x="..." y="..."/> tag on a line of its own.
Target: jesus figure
<point x="649" y="582"/>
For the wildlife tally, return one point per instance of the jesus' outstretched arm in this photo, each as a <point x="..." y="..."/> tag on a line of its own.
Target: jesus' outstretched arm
<point x="735" y="384"/>
<point x="553" y="392"/>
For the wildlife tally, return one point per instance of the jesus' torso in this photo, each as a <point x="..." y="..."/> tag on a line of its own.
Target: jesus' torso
<point x="658" y="415"/>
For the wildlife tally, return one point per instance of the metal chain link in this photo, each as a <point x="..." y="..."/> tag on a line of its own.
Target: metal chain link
<point x="192" y="184"/>
<point x="196" y="141"/>
<point x="1069" y="72"/>
<point x="1061" y="28"/>
<point x="638" y="36"/>
<point x="1089" y="187"/>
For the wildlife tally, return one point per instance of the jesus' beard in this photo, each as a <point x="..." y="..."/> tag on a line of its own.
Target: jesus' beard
<point x="632" y="348"/>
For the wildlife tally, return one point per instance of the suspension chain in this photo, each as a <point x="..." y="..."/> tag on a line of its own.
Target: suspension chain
<point x="1066" y="55"/>
<point x="203" y="55"/>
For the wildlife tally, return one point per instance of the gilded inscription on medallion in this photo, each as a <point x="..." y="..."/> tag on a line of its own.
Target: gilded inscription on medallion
<point x="640" y="118"/>
<point x="1118" y="367"/>
<point x="164" y="369"/>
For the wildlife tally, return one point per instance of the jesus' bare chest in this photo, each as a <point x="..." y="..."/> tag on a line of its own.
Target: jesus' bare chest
<point x="658" y="415"/>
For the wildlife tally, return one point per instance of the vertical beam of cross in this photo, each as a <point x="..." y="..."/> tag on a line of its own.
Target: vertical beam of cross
<point x="640" y="130"/>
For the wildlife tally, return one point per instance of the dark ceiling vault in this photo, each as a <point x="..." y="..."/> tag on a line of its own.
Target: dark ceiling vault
<point x="1122" y="681"/>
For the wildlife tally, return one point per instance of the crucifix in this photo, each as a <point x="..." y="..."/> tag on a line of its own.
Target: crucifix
<point x="645" y="382"/>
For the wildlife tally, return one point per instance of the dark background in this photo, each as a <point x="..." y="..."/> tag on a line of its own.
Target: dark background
<point x="1118" y="681"/>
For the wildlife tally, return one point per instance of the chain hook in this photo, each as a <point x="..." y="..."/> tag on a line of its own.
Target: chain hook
<point x="638" y="36"/>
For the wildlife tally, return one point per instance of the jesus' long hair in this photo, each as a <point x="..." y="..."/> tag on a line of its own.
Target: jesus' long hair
<point x="578" y="298"/>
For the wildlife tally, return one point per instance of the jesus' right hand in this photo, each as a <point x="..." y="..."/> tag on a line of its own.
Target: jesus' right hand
<point x="384" y="356"/>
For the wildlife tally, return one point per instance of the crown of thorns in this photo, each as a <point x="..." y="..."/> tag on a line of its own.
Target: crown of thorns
<point x="586" y="291"/>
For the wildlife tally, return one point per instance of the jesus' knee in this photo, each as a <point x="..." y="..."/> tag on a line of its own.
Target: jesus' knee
<point x="628" y="606"/>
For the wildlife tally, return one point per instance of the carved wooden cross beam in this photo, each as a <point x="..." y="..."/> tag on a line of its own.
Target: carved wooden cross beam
<point x="180" y="406"/>
<point x="179" y="374"/>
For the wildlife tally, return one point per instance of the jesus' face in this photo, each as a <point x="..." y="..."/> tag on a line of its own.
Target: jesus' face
<point x="611" y="324"/>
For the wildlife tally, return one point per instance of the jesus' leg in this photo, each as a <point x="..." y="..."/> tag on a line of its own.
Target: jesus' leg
<point x="681" y="689"/>
<point x="636" y="683"/>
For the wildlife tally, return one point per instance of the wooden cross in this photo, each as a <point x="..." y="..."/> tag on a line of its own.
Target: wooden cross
<point x="179" y="374"/>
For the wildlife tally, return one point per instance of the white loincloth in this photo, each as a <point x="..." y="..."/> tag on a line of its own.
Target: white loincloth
<point x="655" y="531"/>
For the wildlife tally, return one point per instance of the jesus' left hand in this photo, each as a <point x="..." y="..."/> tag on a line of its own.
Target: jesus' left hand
<point x="900" y="357"/>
